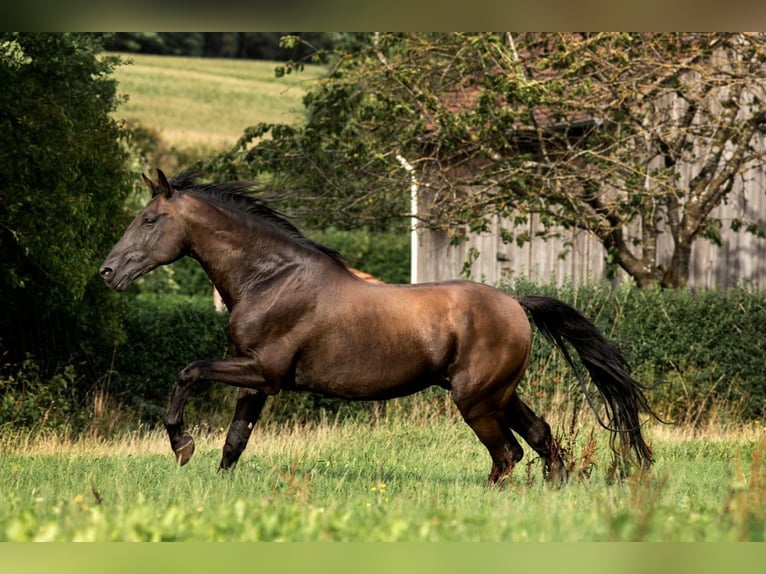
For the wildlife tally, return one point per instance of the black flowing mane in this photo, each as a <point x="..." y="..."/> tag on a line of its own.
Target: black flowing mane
<point x="238" y="196"/>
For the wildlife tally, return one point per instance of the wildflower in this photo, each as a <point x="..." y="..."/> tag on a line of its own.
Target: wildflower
<point x="380" y="487"/>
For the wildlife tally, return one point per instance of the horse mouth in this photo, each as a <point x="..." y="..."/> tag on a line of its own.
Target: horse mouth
<point x="113" y="282"/>
<point x="123" y="283"/>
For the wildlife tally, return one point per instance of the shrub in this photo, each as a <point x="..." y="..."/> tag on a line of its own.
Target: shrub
<point x="30" y="400"/>
<point x="703" y="350"/>
<point x="163" y="335"/>
<point x="384" y="254"/>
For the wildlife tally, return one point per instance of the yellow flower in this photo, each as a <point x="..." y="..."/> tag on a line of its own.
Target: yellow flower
<point x="380" y="487"/>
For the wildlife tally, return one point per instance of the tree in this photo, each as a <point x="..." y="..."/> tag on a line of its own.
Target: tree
<point x="626" y="136"/>
<point x="63" y="178"/>
<point x="255" y="45"/>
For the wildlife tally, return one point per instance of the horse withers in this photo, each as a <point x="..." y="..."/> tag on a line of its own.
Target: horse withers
<point x="300" y="320"/>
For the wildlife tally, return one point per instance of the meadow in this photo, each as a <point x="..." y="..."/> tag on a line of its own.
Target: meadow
<point x="392" y="479"/>
<point x="206" y="102"/>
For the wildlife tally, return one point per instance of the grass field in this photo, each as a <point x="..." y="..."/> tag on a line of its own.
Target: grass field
<point x="196" y="102"/>
<point x="392" y="480"/>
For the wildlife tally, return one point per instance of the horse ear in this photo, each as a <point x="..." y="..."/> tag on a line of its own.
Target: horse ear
<point x="151" y="185"/>
<point x="163" y="185"/>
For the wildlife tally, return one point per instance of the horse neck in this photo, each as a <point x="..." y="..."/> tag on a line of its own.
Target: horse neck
<point x="236" y="255"/>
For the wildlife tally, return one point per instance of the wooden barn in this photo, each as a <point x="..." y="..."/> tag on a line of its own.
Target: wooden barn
<point x="577" y="256"/>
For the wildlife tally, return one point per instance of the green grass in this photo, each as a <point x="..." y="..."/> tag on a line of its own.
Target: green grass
<point x="391" y="480"/>
<point x="196" y="102"/>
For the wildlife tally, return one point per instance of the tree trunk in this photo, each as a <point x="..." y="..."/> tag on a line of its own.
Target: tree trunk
<point x="677" y="273"/>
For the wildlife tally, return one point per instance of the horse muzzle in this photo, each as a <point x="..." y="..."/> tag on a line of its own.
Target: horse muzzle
<point x="109" y="277"/>
<point x="114" y="280"/>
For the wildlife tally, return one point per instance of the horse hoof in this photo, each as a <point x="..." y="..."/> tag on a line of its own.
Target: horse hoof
<point x="186" y="450"/>
<point x="556" y="475"/>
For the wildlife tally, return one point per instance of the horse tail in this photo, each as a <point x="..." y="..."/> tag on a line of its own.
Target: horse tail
<point x="622" y="395"/>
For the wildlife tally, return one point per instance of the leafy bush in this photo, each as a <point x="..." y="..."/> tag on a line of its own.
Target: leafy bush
<point x="28" y="399"/>
<point x="163" y="335"/>
<point x="704" y="350"/>
<point x="384" y="254"/>
<point x="65" y="176"/>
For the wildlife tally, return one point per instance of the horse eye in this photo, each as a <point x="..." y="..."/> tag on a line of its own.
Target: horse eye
<point x="149" y="221"/>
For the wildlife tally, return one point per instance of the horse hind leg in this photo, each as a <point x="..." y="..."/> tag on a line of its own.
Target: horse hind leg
<point x="537" y="433"/>
<point x="503" y="447"/>
<point x="487" y="421"/>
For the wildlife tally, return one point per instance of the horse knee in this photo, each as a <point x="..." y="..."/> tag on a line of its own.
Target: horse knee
<point x="190" y="374"/>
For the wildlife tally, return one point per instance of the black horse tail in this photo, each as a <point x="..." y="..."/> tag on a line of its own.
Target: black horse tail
<point x="622" y="395"/>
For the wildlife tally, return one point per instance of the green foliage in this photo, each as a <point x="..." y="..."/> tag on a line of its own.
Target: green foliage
<point x="184" y="277"/>
<point x="385" y="255"/>
<point x="63" y="177"/>
<point x="163" y="335"/>
<point x="596" y="131"/>
<point x="255" y="45"/>
<point x="30" y="400"/>
<point x="331" y="170"/>
<point x="704" y="350"/>
<point x="707" y="347"/>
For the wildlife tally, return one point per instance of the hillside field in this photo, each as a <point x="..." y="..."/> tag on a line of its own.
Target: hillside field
<point x="196" y="102"/>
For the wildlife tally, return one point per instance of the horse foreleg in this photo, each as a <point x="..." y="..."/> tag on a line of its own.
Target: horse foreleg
<point x="237" y="371"/>
<point x="181" y="442"/>
<point x="249" y="406"/>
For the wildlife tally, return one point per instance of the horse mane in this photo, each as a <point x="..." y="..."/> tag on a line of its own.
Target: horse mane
<point x="237" y="195"/>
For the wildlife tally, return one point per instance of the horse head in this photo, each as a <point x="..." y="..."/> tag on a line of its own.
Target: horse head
<point x="155" y="237"/>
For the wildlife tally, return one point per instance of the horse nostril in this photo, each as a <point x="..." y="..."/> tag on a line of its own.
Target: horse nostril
<point x="106" y="272"/>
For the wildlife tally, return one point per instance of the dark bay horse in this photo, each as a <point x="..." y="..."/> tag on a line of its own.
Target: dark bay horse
<point x="301" y="321"/>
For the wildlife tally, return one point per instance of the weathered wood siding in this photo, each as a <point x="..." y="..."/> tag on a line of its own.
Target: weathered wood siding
<point x="578" y="257"/>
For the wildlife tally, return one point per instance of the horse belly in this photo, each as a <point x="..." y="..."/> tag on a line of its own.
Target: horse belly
<point x="372" y="369"/>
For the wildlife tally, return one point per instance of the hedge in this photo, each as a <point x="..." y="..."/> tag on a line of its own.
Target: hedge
<point x="705" y="352"/>
<point x="163" y="335"/>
